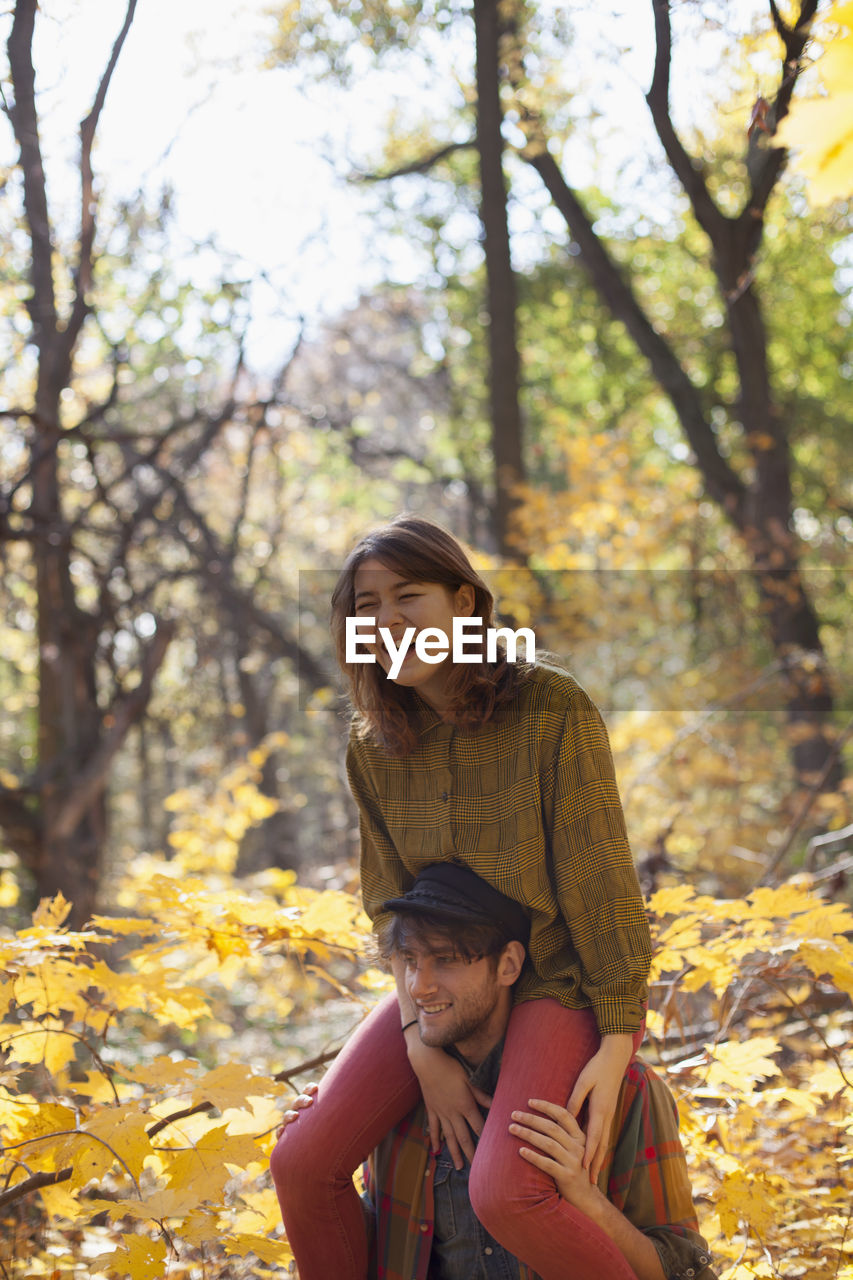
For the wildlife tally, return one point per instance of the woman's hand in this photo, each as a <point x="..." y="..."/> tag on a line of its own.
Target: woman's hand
<point x="599" y="1084"/>
<point x="451" y="1100"/>
<point x="300" y="1103"/>
<point x="559" y="1145"/>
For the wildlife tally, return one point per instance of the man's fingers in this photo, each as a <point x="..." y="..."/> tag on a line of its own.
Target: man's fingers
<point x="532" y="1156"/>
<point x="484" y="1099"/>
<point x="560" y="1115"/>
<point x="550" y="1144"/>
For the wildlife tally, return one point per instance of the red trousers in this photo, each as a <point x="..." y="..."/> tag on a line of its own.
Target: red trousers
<point x="370" y="1087"/>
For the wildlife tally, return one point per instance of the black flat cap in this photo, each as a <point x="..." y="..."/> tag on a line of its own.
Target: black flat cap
<point x="456" y="893"/>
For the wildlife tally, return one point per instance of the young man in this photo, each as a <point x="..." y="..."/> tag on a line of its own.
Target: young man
<point x="463" y="947"/>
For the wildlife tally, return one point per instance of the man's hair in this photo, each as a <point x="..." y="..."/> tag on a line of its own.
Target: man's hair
<point x="469" y="939"/>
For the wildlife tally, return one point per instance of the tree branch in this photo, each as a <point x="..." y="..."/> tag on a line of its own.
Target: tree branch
<point x="88" y="203"/>
<point x="765" y="163"/>
<point x="34" y="1183"/>
<point x="24" y="117"/>
<point x="686" y="169"/>
<point x="423" y="165"/>
<point x="722" y="483"/>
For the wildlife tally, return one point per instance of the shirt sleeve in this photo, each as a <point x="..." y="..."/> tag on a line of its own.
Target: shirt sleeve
<point x="593" y="871"/>
<point x="648" y="1179"/>
<point x="383" y="875"/>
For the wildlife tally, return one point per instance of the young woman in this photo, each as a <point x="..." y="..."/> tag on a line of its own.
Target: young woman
<point x="505" y="768"/>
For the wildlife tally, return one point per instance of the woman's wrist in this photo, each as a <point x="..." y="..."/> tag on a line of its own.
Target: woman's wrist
<point x="617" y="1047"/>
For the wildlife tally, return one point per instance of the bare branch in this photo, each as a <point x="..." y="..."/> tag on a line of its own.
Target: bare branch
<point x="24" y="118"/>
<point x="34" y="1183"/>
<point x="723" y="484"/>
<point x="686" y="169"/>
<point x="195" y="1110"/>
<point x="765" y="163"/>
<point x="88" y="129"/>
<point x="423" y="165"/>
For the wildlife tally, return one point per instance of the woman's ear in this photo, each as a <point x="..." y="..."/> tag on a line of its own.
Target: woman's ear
<point x="510" y="963"/>
<point x="463" y="601"/>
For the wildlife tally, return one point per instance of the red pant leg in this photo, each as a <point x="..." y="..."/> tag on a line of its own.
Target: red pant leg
<point x="546" y="1048"/>
<point x="367" y="1090"/>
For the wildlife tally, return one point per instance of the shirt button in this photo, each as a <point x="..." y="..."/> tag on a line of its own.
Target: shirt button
<point x="424" y="1226"/>
<point x="488" y="1249"/>
<point x="444" y="795"/>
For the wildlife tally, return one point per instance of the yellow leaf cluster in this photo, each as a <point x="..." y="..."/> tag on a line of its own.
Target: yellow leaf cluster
<point x="181" y="1148"/>
<point x="767" y="1105"/>
<point x="820" y="129"/>
<point x="117" y="1075"/>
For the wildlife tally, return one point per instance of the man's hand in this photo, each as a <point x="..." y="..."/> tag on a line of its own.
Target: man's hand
<point x="557" y="1147"/>
<point x="451" y="1100"/>
<point x="599" y="1084"/>
<point x="299" y="1103"/>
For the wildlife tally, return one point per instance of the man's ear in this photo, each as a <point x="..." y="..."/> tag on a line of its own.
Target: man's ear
<point x="463" y="600"/>
<point x="510" y="963"/>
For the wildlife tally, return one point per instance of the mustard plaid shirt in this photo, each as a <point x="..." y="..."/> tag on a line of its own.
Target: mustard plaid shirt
<point x="529" y="802"/>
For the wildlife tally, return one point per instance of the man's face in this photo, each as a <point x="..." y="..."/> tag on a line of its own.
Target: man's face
<point x="455" y="998"/>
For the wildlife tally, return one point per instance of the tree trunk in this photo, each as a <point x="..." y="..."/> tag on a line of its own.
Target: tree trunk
<point x="501" y="285"/>
<point x="760" y="504"/>
<point x="56" y="821"/>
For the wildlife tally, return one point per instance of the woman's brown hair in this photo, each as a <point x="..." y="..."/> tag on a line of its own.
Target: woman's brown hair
<point x="423" y="552"/>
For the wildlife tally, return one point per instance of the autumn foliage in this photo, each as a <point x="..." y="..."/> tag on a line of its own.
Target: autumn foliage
<point x="146" y="1061"/>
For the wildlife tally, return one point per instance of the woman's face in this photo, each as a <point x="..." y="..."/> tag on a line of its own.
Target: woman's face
<point x="399" y="603"/>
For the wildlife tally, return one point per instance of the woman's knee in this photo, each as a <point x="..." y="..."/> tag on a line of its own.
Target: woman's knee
<point x="500" y="1201"/>
<point x="298" y="1162"/>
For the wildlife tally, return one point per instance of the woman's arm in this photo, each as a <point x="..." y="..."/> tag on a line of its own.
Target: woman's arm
<point x="600" y="900"/>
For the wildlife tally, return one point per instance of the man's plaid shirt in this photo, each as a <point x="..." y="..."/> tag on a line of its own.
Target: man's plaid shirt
<point x="645" y="1176"/>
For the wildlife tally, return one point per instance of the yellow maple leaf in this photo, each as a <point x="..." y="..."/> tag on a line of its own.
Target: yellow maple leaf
<point x="231" y="1084"/>
<point x="204" y="1166"/>
<point x="258" y="1116"/>
<point x="261" y="1214"/>
<point x="127" y="925"/>
<point x="162" y="1072"/>
<point x="274" y="1251"/>
<point x="124" y="1129"/>
<point x="744" y="1198"/>
<point x="60" y="1201"/>
<point x="46" y="1042"/>
<point x="90" y="1160"/>
<point x="739" y="1063"/>
<point x="145" y="1258"/>
<point x="159" y="1205"/>
<point x="821" y="129"/>
<point x="51" y="912"/>
<point x="832" y="959"/>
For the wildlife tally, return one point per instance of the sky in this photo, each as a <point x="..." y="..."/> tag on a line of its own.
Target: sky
<point x="255" y="157"/>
